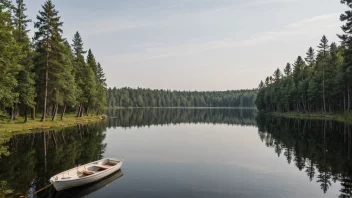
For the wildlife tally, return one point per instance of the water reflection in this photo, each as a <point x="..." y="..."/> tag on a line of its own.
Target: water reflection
<point x="161" y="116"/>
<point x="88" y="189"/>
<point x="35" y="157"/>
<point x="322" y="149"/>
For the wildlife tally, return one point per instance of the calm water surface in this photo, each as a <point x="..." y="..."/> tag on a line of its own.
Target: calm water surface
<point x="189" y="153"/>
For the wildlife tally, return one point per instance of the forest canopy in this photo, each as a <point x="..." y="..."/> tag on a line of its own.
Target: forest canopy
<point x="129" y="97"/>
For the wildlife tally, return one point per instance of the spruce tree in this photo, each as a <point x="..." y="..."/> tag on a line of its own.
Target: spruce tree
<point x="84" y="76"/>
<point x="277" y="75"/>
<point x="310" y="59"/>
<point x="288" y="69"/>
<point x="100" y="98"/>
<point x="346" y="38"/>
<point x="323" y="53"/>
<point x="67" y="86"/>
<point x="9" y="67"/>
<point x="48" y="46"/>
<point x="26" y="76"/>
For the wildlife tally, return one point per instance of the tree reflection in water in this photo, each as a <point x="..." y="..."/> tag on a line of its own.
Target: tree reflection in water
<point x="320" y="148"/>
<point x="164" y="116"/>
<point x="35" y="157"/>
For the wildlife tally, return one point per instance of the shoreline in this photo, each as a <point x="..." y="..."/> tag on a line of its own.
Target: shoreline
<point x="341" y="117"/>
<point x="254" y="108"/>
<point x="18" y="125"/>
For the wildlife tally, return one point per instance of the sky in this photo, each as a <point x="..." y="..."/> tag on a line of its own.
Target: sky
<point x="196" y="44"/>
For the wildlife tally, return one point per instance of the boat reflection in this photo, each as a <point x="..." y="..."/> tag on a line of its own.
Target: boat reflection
<point x="83" y="191"/>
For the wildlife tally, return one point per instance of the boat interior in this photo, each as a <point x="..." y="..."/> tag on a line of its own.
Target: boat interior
<point x="96" y="167"/>
<point x="88" y="169"/>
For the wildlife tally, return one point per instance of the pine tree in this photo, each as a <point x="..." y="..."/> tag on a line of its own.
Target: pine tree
<point x="298" y="68"/>
<point x="26" y="76"/>
<point x="9" y="67"/>
<point x="80" y="68"/>
<point x="48" y="45"/>
<point x="288" y="69"/>
<point x="346" y="38"/>
<point x="101" y="90"/>
<point x="68" y="87"/>
<point x="85" y="77"/>
<point x="310" y="59"/>
<point x="323" y="53"/>
<point x="277" y="75"/>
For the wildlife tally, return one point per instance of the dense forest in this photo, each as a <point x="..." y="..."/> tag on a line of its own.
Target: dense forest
<point x="128" y="97"/>
<point x="319" y="82"/>
<point x="46" y="73"/>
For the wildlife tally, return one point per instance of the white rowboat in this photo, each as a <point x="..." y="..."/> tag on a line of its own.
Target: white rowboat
<point x="86" y="173"/>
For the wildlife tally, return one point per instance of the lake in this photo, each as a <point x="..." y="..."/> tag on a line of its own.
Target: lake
<point x="196" y="153"/>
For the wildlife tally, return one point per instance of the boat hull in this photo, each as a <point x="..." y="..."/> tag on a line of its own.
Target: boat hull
<point x="67" y="184"/>
<point x="85" y="190"/>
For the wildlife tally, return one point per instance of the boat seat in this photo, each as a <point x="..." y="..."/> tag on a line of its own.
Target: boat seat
<point x="84" y="172"/>
<point x="103" y="166"/>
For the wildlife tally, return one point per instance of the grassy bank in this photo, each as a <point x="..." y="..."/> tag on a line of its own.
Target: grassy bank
<point x="342" y="117"/>
<point x="19" y="125"/>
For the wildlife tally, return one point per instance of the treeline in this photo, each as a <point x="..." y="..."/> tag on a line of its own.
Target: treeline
<point x="128" y="97"/>
<point x="47" y="73"/>
<point x="320" y="82"/>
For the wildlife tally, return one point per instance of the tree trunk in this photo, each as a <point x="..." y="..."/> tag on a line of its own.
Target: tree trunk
<point x="344" y="101"/>
<point x="46" y="88"/>
<point x="348" y="99"/>
<point x="82" y="111"/>
<point x="55" y="111"/>
<point x="11" y="114"/>
<point x="304" y="105"/>
<point x="63" y="112"/>
<point x="25" y="114"/>
<point x="16" y="112"/>
<point x="324" y="106"/>
<point x="33" y="113"/>
<point x="79" y="110"/>
<point x="87" y="111"/>
<point x="52" y="109"/>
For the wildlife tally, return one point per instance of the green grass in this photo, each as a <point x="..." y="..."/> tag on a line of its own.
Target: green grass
<point x="342" y="117"/>
<point x="17" y="125"/>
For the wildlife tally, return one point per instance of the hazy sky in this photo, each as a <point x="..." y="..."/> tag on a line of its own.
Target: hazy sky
<point x="196" y="44"/>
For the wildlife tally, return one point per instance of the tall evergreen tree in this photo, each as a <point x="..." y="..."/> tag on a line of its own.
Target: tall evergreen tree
<point x="48" y="46"/>
<point x="323" y="54"/>
<point x="79" y="67"/>
<point x="310" y="59"/>
<point x="85" y="77"/>
<point x="67" y="86"/>
<point x="100" y="97"/>
<point x="346" y="38"/>
<point x="288" y="69"/>
<point x="26" y="76"/>
<point x="9" y="67"/>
